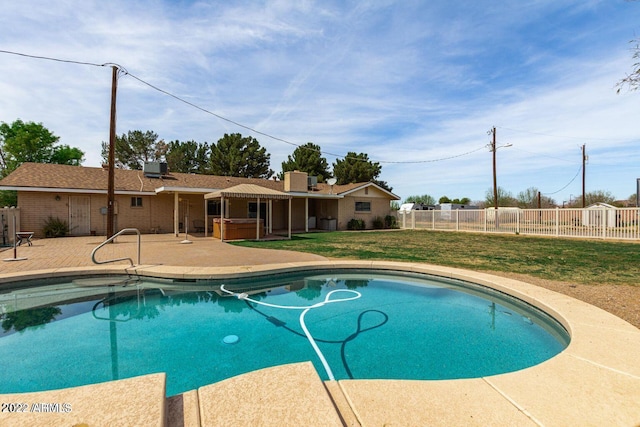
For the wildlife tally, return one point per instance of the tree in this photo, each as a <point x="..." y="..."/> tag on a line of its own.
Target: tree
<point x="356" y="168"/>
<point x="425" y="199"/>
<point x="22" y="142"/>
<point x="65" y="155"/>
<point x="188" y="157"/>
<point x="599" y="196"/>
<point x="307" y="158"/>
<point x="235" y="155"/>
<point x="528" y="199"/>
<point x="463" y="201"/>
<point x="505" y="198"/>
<point x="134" y="149"/>
<point x="632" y="80"/>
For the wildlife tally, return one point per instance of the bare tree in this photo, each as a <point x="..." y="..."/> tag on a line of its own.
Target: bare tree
<point x="632" y="81"/>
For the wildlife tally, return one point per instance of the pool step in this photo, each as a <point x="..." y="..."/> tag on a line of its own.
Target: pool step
<point x="137" y="401"/>
<point x="107" y="281"/>
<point x="290" y="394"/>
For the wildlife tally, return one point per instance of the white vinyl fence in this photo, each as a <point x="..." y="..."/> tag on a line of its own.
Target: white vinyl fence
<point x="598" y="222"/>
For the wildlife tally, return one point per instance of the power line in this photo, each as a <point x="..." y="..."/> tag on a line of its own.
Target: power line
<point x="543" y="155"/>
<point x="123" y="71"/>
<point x="284" y="140"/>
<point x="68" y="61"/>
<point x="568" y="184"/>
<point x="578" y="138"/>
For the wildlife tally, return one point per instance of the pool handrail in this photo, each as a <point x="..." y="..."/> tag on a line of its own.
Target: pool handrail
<point x="124" y="230"/>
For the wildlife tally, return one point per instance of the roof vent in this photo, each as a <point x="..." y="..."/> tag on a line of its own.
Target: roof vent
<point x="155" y="169"/>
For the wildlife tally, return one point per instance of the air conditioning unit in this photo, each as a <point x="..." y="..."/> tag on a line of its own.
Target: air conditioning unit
<point x="155" y="169"/>
<point x="312" y="182"/>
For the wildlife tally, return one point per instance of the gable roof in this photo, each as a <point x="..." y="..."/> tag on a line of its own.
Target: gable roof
<point x="48" y="177"/>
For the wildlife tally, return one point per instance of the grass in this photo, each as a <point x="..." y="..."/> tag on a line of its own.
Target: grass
<point x="589" y="262"/>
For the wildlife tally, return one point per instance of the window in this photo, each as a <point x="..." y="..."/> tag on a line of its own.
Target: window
<point x="363" y="206"/>
<point x="136" y="202"/>
<point x="213" y="207"/>
<point x="253" y="207"/>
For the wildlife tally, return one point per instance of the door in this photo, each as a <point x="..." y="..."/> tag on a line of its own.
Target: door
<point x="79" y="215"/>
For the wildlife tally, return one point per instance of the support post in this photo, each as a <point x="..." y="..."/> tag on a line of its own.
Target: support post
<point x="222" y="216"/>
<point x="258" y="219"/>
<point x="306" y="214"/>
<point x="289" y="219"/>
<point x="176" y="213"/>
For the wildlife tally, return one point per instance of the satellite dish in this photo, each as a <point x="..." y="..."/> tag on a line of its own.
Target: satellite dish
<point x="331" y="181"/>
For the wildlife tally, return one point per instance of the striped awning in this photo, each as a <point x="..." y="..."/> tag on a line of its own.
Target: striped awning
<point x="248" y="191"/>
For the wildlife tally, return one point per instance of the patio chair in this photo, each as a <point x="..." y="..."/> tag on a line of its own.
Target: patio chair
<point x="198" y="225"/>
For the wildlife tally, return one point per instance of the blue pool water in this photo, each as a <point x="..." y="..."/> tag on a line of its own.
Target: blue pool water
<point x="402" y="326"/>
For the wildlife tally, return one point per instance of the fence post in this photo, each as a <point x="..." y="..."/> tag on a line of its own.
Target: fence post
<point x="457" y="219"/>
<point x="557" y="221"/>
<point x="413" y="219"/>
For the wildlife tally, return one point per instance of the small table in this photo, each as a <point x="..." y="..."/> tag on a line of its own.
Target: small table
<point x="24" y="236"/>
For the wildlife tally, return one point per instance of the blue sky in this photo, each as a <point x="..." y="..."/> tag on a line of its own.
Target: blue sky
<point x="414" y="84"/>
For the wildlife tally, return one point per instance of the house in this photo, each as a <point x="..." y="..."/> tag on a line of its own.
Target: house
<point x="155" y="200"/>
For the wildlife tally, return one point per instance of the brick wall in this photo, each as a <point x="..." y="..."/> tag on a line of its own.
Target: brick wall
<point x="154" y="216"/>
<point x="380" y="207"/>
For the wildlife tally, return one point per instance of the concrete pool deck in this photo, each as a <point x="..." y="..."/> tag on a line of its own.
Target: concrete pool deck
<point x="595" y="381"/>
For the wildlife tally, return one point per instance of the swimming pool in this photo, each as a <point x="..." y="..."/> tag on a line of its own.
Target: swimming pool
<point x="365" y="324"/>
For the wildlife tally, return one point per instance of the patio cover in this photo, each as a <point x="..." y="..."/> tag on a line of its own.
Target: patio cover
<point x="249" y="191"/>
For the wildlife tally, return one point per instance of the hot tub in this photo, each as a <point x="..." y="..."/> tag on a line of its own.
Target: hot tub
<point x="238" y="228"/>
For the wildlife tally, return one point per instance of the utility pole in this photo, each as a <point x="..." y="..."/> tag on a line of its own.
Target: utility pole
<point x="112" y="151"/>
<point x="584" y="162"/>
<point x="495" y="181"/>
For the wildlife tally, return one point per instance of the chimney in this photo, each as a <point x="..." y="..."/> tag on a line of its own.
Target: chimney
<point x="295" y="181"/>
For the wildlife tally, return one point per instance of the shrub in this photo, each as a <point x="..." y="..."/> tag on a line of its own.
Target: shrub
<point x="390" y="221"/>
<point x="378" y="223"/>
<point x="355" y="224"/>
<point x="55" y="227"/>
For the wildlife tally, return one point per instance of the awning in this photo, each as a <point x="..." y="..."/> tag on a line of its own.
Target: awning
<point x="248" y="191"/>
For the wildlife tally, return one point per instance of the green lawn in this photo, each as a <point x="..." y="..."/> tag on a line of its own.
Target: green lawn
<point x="588" y="262"/>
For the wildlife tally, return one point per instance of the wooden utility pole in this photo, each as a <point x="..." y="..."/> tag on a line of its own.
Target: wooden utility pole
<point x="112" y="155"/>
<point x="584" y="170"/>
<point x="495" y="181"/>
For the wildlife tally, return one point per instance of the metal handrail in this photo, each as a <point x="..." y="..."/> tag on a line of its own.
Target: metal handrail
<point x="124" y="230"/>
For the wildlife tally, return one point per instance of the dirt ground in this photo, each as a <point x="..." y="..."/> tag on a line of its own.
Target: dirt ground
<point x="620" y="300"/>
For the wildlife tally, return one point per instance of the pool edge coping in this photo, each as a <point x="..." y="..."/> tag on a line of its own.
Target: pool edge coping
<point x="603" y="349"/>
